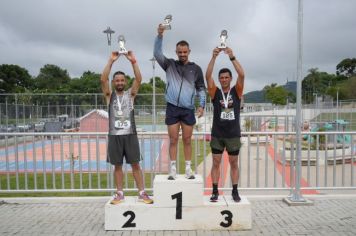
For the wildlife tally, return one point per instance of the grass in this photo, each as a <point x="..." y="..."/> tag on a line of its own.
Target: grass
<point x="97" y="181"/>
<point x="68" y="181"/>
<point x="200" y="158"/>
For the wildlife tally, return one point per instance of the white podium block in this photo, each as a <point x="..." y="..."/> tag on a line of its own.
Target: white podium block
<point x="179" y="205"/>
<point x="221" y="215"/>
<point x="242" y="211"/>
<point x="167" y="191"/>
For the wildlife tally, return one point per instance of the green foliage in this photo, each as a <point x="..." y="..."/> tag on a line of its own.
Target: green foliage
<point x="345" y="89"/>
<point x="317" y="83"/>
<point x="14" y="79"/>
<point x="53" y="79"/>
<point x="276" y="94"/>
<point x="321" y="142"/>
<point x="160" y="84"/>
<point x="347" y="67"/>
<point x="89" y="82"/>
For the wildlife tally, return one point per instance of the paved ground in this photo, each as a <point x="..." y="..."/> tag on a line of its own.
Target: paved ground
<point x="330" y="215"/>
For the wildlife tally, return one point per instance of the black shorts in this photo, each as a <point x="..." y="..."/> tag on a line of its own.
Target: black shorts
<point x="176" y="114"/>
<point x="123" y="145"/>
<point x="232" y="145"/>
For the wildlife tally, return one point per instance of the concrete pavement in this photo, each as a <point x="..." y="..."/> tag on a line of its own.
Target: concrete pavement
<point x="330" y="215"/>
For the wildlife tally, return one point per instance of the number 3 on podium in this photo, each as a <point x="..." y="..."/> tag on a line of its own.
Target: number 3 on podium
<point x="179" y="200"/>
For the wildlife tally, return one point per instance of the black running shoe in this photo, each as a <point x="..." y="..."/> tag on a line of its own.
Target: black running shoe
<point x="214" y="197"/>
<point x="236" y="197"/>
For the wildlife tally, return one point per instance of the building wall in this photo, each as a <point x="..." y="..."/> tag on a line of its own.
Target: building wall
<point x="94" y="123"/>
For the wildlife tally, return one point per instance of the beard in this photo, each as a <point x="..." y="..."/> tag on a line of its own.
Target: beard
<point x="119" y="88"/>
<point x="182" y="59"/>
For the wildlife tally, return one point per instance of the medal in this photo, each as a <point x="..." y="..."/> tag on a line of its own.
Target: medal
<point x="119" y="104"/>
<point x="226" y="100"/>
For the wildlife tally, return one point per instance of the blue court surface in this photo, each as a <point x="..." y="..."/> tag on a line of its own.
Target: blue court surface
<point x="150" y="150"/>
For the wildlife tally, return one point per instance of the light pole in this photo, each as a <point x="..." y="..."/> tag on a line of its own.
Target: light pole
<point x="296" y="196"/>
<point x="108" y="33"/>
<point x="337" y="104"/>
<point x="315" y="104"/>
<point x="153" y="60"/>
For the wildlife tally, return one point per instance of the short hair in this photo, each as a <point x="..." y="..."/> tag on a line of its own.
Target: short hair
<point x="224" y="70"/>
<point x="182" y="43"/>
<point x="118" y="73"/>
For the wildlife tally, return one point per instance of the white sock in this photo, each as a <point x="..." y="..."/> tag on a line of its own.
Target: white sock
<point x="142" y="191"/>
<point x="187" y="164"/>
<point x="120" y="192"/>
<point x="173" y="164"/>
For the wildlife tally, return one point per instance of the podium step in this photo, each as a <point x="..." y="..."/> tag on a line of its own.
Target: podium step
<point x="165" y="191"/>
<point x="222" y="215"/>
<point x="179" y="205"/>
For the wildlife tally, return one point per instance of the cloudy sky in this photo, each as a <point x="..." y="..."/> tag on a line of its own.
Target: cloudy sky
<point x="262" y="33"/>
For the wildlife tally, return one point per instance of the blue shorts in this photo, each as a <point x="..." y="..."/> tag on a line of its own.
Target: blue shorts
<point x="176" y="114"/>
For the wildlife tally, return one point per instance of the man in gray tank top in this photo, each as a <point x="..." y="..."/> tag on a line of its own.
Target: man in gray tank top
<point x="122" y="138"/>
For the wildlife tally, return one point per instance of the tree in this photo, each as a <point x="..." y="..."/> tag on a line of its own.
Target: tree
<point x="347" y="67"/>
<point x="89" y="82"/>
<point x="276" y="94"/>
<point x="317" y="83"/>
<point x="52" y="78"/>
<point x="14" y="79"/>
<point x="160" y="84"/>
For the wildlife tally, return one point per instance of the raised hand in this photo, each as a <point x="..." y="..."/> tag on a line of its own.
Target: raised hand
<point x="131" y="57"/>
<point x="229" y="52"/>
<point x="160" y="29"/>
<point x="114" y="56"/>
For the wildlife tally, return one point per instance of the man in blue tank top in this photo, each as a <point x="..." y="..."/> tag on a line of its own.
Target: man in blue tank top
<point x="226" y="130"/>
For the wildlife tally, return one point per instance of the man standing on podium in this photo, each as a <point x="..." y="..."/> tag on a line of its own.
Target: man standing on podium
<point x="122" y="138"/>
<point x="184" y="80"/>
<point x="226" y="130"/>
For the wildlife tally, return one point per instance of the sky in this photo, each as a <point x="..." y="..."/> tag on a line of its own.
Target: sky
<point x="261" y="33"/>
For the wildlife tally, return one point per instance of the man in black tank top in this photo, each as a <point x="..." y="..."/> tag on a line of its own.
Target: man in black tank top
<point x="226" y="130"/>
<point x="122" y="138"/>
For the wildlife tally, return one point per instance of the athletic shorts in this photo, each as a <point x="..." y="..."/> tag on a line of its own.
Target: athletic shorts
<point x="232" y="145"/>
<point x="120" y="146"/>
<point x="176" y="114"/>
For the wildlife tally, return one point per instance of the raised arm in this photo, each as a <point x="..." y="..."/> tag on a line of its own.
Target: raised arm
<point x="209" y="73"/>
<point x="104" y="79"/>
<point x="138" y="78"/>
<point x="240" y="72"/>
<point x="157" y="49"/>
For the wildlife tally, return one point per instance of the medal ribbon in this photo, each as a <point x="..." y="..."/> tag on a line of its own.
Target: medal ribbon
<point x="119" y="104"/>
<point x="226" y="100"/>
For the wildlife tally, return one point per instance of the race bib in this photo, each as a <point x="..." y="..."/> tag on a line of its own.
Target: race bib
<point x="227" y="115"/>
<point x="122" y="124"/>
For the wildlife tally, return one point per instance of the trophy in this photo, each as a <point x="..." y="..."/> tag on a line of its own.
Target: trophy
<point x="122" y="49"/>
<point x="167" y="22"/>
<point x="223" y="37"/>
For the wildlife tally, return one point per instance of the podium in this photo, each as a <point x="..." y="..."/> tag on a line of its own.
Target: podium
<point x="179" y="205"/>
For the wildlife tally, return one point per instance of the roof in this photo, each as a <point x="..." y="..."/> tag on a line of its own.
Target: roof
<point x="100" y="112"/>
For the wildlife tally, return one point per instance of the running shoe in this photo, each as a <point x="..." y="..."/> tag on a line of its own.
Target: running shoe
<point x="172" y="173"/>
<point x="143" y="197"/>
<point x="214" y="197"/>
<point x="189" y="173"/>
<point x="117" y="198"/>
<point x="236" y="197"/>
